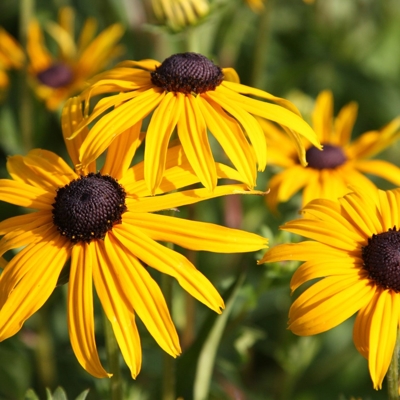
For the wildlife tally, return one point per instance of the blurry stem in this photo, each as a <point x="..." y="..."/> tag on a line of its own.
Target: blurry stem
<point x="193" y="40"/>
<point x="113" y="360"/>
<point x="260" y="47"/>
<point x="392" y="376"/>
<point x="168" y="379"/>
<point x="26" y="12"/>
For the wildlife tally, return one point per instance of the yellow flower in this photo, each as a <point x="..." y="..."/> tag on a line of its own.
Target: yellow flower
<point x="11" y="56"/>
<point x="354" y="252"/>
<point x="189" y="92"/>
<point x="57" y="77"/>
<point x="180" y="13"/>
<point x="106" y="224"/>
<point x="342" y="162"/>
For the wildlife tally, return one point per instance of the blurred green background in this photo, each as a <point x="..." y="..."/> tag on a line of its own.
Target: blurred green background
<point x="290" y="49"/>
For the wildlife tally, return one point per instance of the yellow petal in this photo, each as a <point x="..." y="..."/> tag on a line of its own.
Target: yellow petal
<point x="383" y="334"/>
<point x="28" y="281"/>
<point x="143" y="294"/>
<point x="322" y="116"/>
<point x="161" y="126"/>
<point x="118" y="312"/>
<point x="344" y="123"/>
<point x="231" y="138"/>
<point x="381" y="168"/>
<point x="173" y="200"/>
<point x="195" y="235"/>
<point x="24" y="195"/>
<point x="192" y="132"/>
<point x="24" y="223"/>
<point x="116" y="122"/>
<point x="39" y="57"/>
<point x="80" y="311"/>
<point x="328" y="303"/>
<point x="171" y="263"/>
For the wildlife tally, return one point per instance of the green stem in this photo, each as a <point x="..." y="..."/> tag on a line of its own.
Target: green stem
<point x="26" y="12"/>
<point x="113" y="361"/>
<point x="168" y="379"/>
<point x="392" y="377"/>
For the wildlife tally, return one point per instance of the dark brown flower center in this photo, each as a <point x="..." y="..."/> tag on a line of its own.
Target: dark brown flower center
<point x="88" y="207"/>
<point x="382" y="259"/>
<point x="187" y="73"/>
<point x="330" y="157"/>
<point x="56" y="76"/>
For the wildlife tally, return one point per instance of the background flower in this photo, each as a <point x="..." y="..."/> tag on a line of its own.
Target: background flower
<point x="59" y="76"/>
<point x="341" y="164"/>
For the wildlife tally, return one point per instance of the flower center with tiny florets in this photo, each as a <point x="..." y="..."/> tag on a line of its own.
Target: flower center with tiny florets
<point x="330" y="157"/>
<point x="56" y="76"/>
<point x="187" y="73"/>
<point x="382" y="259"/>
<point x="88" y="207"/>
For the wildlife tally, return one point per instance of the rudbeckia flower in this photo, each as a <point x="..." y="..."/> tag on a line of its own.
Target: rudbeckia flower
<point x="180" y="13"/>
<point x="341" y="163"/>
<point x="11" y="56"/>
<point x="354" y="252"/>
<point x="55" y="78"/>
<point x="106" y="224"/>
<point x="190" y="92"/>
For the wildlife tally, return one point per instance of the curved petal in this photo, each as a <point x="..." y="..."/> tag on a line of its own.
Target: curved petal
<point x="381" y="168"/>
<point x="328" y="303"/>
<point x="171" y="263"/>
<point x="231" y="138"/>
<point x="24" y="195"/>
<point x="116" y="122"/>
<point x="195" y="235"/>
<point x="80" y="311"/>
<point x="161" y="126"/>
<point x="28" y="281"/>
<point x="192" y="132"/>
<point x="119" y="313"/>
<point x="178" y="199"/>
<point x="248" y="122"/>
<point x="383" y="334"/>
<point x="143" y="294"/>
<point x="24" y="223"/>
<point x="305" y="251"/>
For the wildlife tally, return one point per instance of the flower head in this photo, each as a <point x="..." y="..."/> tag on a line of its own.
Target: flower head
<point x="11" y="56"/>
<point x="354" y="252"/>
<point x="189" y="92"/>
<point x="57" y="77"/>
<point x="178" y="14"/>
<point x="341" y="163"/>
<point x="107" y="224"/>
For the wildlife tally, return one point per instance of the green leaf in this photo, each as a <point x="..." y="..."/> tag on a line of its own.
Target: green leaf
<point x="31" y="395"/>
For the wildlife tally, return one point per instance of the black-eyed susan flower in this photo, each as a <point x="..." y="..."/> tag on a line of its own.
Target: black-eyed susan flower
<point x="178" y="14"/>
<point x="11" y="57"/>
<point x="107" y="224"/>
<point x="56" y="77"/>
<point x="190" y="92"/>
<point x="354" y="254"/>
<point x="341" y="163"/>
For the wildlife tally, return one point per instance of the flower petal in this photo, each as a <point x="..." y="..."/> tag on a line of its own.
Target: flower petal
<point x="381" y="168"/>
<point x="171" y="263"/>
<point x="80" y="311"/>
<point x="118" y="312"/>
<point x="143" y="294"/>
<point x="28" y="281"/>
<point x="161" y="126"/>
<point x="322" y="116"/>
<point x="328" y="303"/>
<point x="192" y="132"/>
<point x="195" y="235"/>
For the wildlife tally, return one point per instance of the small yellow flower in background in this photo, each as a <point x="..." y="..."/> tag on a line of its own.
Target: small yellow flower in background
<point x="57" y="77"/>
<point x="255" y="5"/>
<point x="11" y="56"/>
<point x="191" y="93"/>
<point x="106" y="223"/>
<point x="180" y="13"/>
<point x="355" y="252"/>
<point x="342" y="162"/>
